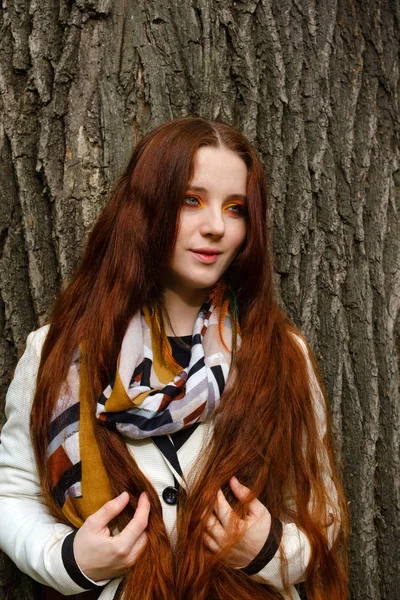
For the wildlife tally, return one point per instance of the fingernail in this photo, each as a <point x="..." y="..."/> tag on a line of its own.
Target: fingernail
<point x="234" y="480"/>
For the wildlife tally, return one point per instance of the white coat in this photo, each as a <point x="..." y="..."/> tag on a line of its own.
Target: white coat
<point x="32" y="538"/>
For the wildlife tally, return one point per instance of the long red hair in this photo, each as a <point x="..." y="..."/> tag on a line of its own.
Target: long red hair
<point x="267" y="434"/>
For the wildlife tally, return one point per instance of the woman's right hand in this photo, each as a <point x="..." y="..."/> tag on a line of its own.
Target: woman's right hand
<point x="101" y="555"/>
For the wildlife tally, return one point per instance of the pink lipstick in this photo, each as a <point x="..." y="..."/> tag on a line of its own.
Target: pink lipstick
<point x="205" y="255"/>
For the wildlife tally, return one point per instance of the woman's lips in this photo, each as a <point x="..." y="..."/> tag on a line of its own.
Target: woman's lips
<point x="205" y="258"/>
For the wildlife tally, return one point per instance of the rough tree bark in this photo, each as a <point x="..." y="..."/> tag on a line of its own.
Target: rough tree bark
<point x="315" y="86"/>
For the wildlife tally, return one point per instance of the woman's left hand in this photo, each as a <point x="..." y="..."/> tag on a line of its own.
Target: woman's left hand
<point x="254" y="528"/>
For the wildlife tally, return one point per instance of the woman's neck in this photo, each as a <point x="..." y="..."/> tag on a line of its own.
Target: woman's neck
<point x="182" y="310"/>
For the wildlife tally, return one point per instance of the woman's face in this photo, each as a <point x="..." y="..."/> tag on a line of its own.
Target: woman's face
<point x="213" y="222"/>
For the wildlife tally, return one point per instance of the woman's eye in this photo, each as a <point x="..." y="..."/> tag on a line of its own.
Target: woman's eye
<point x="192" y="201"/>
<point x="237" y="208"/>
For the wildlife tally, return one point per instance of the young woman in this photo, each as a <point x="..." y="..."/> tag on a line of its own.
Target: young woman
<point x="167" y="434"/>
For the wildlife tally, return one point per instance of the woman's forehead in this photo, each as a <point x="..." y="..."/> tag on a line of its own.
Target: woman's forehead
<point x="219" y="168"/>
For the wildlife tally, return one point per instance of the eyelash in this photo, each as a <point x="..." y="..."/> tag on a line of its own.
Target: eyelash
<point x="192" y="198"/>
<point x="240" y="208"/>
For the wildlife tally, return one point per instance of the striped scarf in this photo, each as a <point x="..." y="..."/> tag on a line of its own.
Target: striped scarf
<point x="146" y="397"/>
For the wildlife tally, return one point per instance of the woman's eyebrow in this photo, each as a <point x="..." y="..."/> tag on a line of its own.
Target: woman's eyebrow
<point x="196" y="188"/>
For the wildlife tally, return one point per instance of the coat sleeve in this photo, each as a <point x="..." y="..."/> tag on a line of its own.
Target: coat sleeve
<point x="294" y="542"/>
<point x="29" y="534"/>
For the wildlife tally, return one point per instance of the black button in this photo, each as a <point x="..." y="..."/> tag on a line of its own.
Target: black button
<point x="170" y="495"/>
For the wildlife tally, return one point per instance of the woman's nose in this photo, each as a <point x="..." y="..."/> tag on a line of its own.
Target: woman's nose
<point x="213" y="223"/>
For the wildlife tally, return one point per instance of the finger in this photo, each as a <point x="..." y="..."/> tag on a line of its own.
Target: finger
<point x="136" y="526"/>
<point x="108" y="511"/>
<point x="241" y="491"/>
<point x="126" y="556"/>
<point x="212" y="522"/>
<point x="210" y="543"/>
<point x="137" y="548"/>
<point x="223" y="509"/>
<point x="255" y="508"/>
<point x="215" y="529"/>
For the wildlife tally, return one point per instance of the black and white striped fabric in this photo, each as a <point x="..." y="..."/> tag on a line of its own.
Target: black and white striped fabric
<point x="139" y="404"/>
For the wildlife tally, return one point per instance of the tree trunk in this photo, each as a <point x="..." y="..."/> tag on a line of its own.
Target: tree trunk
<point x="315" y="87"/>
